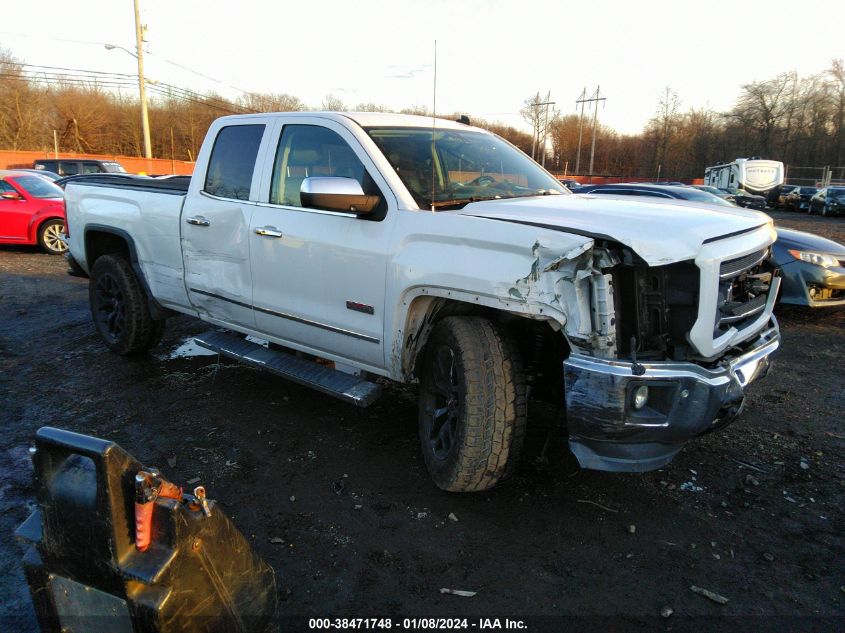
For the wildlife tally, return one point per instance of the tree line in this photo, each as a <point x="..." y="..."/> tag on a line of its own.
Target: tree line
<point x="799" y="120"/>
<point x="98" y="113"/>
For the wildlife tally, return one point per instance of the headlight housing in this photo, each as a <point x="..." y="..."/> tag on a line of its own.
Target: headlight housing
<point x="818" y="259"/>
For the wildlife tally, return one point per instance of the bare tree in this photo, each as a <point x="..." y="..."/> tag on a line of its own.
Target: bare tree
<point x="662" y="127"/>
<point x="267" y="102"/>
<point x="332" y="104"/>
<point x="837" y="74"/>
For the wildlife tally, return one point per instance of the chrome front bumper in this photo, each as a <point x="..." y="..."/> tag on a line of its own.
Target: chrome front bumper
<point x="685" y="400"/>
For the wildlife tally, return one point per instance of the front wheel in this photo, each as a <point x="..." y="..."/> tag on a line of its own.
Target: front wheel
<point x="119" y="307"/>
<point x="472" y="405"/>
<point x="50" y="237"/>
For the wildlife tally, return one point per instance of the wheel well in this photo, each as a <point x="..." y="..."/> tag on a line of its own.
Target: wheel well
<point x="541" y="346"/>
<point x="99" y="243"/>
<point x="43" y="221"/>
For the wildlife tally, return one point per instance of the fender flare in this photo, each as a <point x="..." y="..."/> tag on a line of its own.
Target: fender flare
<point x="412" y="329"/>
<point x="157" y="311"/>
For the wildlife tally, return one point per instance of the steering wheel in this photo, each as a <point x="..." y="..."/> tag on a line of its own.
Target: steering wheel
<point x="482" y="180"/>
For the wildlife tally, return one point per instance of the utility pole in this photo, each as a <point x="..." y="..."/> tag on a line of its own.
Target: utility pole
<point x="546" y="126"/>
<point x="535" y="141"/>
<point x="595" y="98"/>
<point x="580" y="100"/>
<point x="142" y="88"/>
<point x="534" y="127"/>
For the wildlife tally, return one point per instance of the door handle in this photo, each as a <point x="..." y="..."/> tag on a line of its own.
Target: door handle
<point x="268" y="231"/>
<point x="198" y="220"/>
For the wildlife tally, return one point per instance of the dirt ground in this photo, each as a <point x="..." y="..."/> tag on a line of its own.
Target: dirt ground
<point x="337" y="499"/>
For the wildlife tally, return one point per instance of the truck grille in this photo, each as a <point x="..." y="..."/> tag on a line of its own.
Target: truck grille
<point x="734" y="267"/>
<point x="744" y="287"/>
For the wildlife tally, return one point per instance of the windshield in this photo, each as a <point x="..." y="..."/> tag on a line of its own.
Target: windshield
<point x="712" y="190"/>
<point x="39" y="187"/>
<point x="113" y="168"/>
<point x="451" y="168"/>
<point x="704" y="196"/>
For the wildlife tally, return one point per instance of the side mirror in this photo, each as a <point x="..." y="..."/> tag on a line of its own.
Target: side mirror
<point x="336" y="194"/>
<point x="11" y="195"/>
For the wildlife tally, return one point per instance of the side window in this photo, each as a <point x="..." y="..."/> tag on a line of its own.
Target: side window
<point x="232" y="161"/>
<point x="68" y="168"/>
<point x="49" y="165"/>
<point x="91" y="168"/>
<point x="310" y="150"/>
<point x="5" y="187"/>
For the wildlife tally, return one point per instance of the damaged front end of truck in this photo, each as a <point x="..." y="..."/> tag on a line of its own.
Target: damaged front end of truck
<point x="658" y="354"/>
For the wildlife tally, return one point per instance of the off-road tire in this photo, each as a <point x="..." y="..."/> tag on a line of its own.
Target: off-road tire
<point x="488" y="411"/>
<point x="119" y="307"/>
<point x="48" y="236"/>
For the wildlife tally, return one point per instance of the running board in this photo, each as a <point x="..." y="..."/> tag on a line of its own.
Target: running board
<point x="330" y="381"/>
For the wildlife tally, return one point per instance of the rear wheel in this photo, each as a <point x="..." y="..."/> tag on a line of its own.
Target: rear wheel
<point x="50" y="236"/>
<point x="472" y="405"/>
<point x="119" y="307"/>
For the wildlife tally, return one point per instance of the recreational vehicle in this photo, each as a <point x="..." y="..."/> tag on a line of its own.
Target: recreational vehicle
<point x="751" y="174"/>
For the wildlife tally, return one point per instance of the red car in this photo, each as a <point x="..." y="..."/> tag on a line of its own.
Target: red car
<point x="32" y="211"/>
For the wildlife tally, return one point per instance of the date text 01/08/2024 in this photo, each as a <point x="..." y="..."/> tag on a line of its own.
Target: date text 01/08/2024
<point x="415" y="623"/>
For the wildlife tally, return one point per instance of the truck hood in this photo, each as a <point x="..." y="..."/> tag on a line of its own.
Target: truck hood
<point x="661" y="232"/>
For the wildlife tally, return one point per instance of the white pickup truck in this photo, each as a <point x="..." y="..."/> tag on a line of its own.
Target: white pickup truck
<point x="376" y="245"/>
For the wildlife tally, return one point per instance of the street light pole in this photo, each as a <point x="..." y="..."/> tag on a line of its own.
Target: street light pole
<point x="142" y="88"/>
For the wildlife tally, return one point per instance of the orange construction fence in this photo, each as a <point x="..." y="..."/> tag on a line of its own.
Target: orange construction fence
<point x="10" y="159"/>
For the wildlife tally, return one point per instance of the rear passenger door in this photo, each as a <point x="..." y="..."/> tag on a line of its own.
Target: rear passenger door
<point x="215" y="223"/>
<point x="319" y="276"/>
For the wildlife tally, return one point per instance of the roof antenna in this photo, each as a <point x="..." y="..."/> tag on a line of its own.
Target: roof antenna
<point x="433" y="119"/>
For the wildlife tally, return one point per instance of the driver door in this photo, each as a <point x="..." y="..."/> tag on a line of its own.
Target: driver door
<point x="15" y="214"/>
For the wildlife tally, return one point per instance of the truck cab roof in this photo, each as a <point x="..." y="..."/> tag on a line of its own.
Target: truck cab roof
<point x="372" y="119"/>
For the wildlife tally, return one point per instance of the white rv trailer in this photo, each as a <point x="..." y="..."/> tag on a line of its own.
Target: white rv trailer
<point x="751" y="174"/>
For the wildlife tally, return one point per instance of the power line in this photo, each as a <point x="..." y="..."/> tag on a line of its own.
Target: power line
<point x="58" y="75"/>
<point x="196" y="72"/>
<point x="146" y="51"/>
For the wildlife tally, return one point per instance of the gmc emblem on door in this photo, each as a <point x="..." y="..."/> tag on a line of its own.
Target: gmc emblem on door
<point x="360" y="307"/>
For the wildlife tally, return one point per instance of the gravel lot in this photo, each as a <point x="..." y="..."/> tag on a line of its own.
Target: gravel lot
<point x="754" y="513"/>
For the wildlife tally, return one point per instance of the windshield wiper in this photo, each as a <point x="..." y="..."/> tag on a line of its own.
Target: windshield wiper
<point x="437" y="204"/>
<point x="458" y="201"/>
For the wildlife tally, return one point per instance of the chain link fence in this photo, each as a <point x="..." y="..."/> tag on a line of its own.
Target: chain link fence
<point x="814" y="176"/>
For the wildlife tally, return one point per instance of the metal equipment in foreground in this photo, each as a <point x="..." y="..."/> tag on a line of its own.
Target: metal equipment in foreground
<point x="193" y="572"/>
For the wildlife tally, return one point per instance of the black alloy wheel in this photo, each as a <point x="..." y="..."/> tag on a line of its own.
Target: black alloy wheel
<point x="442" y="417"/>
<point x="109" y="307"/>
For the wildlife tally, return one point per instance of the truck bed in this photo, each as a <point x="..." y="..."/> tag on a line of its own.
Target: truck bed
<point x="144" y="211"/>
<point x="177" y="185"/>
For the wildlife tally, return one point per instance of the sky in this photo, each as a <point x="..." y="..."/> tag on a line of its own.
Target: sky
<point x="491" y="54"/>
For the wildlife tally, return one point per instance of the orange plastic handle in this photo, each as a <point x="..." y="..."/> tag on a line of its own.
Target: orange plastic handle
<point x="170" y="490"/>
<point x="143" y="525"/>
